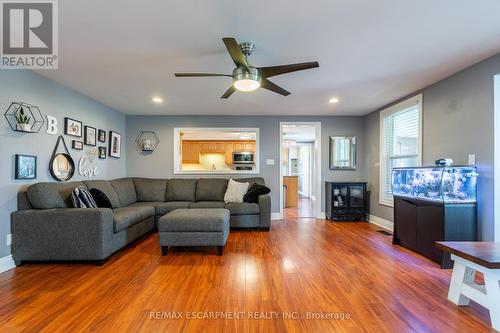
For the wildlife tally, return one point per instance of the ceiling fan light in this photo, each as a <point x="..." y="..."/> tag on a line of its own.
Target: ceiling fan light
<point x="246" y="85"/>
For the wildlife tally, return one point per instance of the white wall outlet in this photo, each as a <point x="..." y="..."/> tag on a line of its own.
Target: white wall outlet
<point x="9" y="239"/>
<point x="472" y="159"/>
<point x="270" y="162"/>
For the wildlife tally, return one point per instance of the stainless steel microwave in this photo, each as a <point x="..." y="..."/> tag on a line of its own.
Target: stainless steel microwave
<point x="243" y="157"/>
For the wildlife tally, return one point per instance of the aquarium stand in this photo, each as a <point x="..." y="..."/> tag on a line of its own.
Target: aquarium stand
<point x="418" y="224"/>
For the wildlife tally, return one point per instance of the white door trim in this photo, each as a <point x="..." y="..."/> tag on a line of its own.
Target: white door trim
<point x="496" y="158"/>
<point x="317" y="155"/>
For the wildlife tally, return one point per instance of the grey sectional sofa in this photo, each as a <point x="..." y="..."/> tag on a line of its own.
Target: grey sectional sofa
<point x="46" y="228"/>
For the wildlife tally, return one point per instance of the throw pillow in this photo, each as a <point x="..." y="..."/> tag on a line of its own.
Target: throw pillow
<point x="235" y="191"/>
<point x="254" y="191"/>
<point x="82" y="198"/>
<point x="100" y="198"/>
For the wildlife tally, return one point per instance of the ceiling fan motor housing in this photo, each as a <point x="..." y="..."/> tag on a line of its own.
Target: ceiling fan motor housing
<point x="247" y="48"/>
<point x="242" y="74"/>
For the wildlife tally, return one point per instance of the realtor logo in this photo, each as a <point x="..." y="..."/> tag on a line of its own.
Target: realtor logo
<point x="29" y="34"/>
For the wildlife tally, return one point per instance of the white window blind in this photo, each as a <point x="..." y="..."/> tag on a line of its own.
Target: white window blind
<point x="400" y="143"/>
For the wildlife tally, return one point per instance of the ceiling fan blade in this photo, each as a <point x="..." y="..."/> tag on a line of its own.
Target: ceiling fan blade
<point x="283" y="69"/>
<point x="266" y="84"/>
<point x="234" y="51"/>
<point x="229" y="92"/>
<point x="199" y="75"/>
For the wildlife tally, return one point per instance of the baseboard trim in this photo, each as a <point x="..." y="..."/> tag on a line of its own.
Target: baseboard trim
<point x="6" y="263"/>
<point x="322" y="216"/>
<point x="276" y="216"/>
<point x="383" y="223"/>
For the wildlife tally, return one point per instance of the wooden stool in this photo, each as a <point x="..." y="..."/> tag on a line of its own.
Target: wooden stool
<point x="469" y="258"/>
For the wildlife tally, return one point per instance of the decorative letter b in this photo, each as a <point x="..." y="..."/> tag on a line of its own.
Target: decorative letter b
<point x="51" y="125"/>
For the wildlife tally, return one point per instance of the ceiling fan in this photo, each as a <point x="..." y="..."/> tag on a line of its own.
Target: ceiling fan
<point x="247" y="77"/>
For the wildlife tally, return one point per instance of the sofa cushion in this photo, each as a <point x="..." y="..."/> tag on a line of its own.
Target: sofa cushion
<point x="235" y="191"/>
<point x="251" y="180"/>
<point x="244" y="208"/>
<point x="195" y="220"/>
<point x="126" y="217"/>
<point x="82" y="198"/>
<point x="51" y="195"/>
<point x="162" y="208"/>
<point x="211" y="189"/>
<point x="149" y="189"/>
<point x="105" y="187"/>
<point x="181" y="189"/>
<point x="125" y="189"/>
<point x="100" y="198"/>
<point x="207" y="204"/>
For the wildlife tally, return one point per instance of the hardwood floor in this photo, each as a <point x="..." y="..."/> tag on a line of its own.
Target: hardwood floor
<point x="301" y="265"/>
<point x="305" y="208"/>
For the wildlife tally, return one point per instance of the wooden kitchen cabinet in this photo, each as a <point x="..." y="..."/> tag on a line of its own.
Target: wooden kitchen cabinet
<point x="244" y="146"/>
<point x="250" y="146"/>
<point x="207" y="147"/>
<point x="190" y="152"/>
<point x="238" y="146"/>
<point x="219" y="147"/>
<point x="229" y="153"/>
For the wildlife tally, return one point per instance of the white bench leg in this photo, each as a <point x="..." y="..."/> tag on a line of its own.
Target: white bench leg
<point x="493" y="296"/>
<point x="460" y="274"/>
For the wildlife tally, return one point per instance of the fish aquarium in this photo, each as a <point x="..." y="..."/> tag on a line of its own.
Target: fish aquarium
<point x="447" y="184"/>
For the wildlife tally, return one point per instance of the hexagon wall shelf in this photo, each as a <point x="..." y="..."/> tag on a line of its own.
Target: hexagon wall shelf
<point x="147" y="141"/>
<point x="31" y="115"/>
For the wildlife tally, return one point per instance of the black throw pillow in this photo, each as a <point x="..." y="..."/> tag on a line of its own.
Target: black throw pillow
<point x="100" y="198"/>
<point x="254" y="191"/>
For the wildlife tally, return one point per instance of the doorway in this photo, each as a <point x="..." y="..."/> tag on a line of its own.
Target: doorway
<point x="300" y="169"/>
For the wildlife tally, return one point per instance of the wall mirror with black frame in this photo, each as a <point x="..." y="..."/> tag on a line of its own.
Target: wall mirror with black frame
<point x="61" y="165"/>
<point x="342" y="153"/>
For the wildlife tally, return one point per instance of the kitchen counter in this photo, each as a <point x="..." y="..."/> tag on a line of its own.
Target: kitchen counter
<point x="292" y="191"/>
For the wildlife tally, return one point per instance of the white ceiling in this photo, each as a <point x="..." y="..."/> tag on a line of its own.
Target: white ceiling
<point x="302" y="133"/>
<point x="122" y="52"/>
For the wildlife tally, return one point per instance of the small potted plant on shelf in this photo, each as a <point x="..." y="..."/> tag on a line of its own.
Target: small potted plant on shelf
<point x="23" y="121"/>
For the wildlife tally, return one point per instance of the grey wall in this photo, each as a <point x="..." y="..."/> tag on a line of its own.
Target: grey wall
<point x="457" y="121"/>
<point x="160" y="163"/>
<point x="58" y="101"/>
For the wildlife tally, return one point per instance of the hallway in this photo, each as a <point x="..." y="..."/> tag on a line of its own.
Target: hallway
<point x="304" y="209"/>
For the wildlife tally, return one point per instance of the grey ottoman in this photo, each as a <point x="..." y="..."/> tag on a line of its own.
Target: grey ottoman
<point x="194" y="227"/>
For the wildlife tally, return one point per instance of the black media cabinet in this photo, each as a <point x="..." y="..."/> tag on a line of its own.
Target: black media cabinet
<point x="346" y="201"/>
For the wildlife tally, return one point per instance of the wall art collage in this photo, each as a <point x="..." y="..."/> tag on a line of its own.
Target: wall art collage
<point x="27" y="118"/>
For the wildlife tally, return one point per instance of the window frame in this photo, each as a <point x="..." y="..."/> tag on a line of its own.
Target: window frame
<point x="384" y="159"/>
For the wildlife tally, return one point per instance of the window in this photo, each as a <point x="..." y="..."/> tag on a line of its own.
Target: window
<point x="400" y="142"/>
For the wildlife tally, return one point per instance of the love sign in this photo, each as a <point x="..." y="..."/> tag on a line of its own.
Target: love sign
<point x="85" y="167"/>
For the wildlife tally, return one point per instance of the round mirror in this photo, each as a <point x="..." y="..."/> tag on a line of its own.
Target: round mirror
<point x="62" y="167"/>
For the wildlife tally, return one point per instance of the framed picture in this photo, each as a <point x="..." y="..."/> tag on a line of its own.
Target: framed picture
<point x="115" y="144"/>
<point x="72" y="127"/>
<point x="101" y="136"/>
<point x="25" y="167"/>
<point x="77" y="145"/>
<point x="90" y="135"/>
<point x="102" y="152"/>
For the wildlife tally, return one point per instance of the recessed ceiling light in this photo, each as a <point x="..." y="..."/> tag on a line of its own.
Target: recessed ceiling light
<point x="333" y="100"/>
<point x="157" y="100"/>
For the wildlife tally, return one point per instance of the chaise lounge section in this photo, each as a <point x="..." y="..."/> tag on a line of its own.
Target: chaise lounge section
<point x="46" y="228"/>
